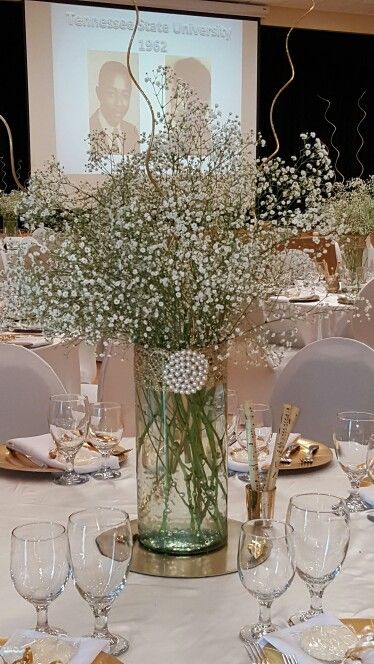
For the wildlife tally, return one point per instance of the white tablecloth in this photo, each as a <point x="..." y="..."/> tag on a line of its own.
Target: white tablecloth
<point x="321" y="320"/>
<point x="176" y="621"/>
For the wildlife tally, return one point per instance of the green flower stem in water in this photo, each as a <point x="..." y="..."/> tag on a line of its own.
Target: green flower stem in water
<point x="182" y="474"/>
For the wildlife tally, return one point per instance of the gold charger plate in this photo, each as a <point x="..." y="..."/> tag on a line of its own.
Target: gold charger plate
<point x="322" y="457"/>
<point x="356" y="624"/>
<point x="11" y="460"/>
<point x="102" y="658"/>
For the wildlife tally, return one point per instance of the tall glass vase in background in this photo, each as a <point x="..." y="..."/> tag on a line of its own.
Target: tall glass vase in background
<point x="181" y="458"/>
<point x="10" y="223"/>
<point x="352" y="248"/>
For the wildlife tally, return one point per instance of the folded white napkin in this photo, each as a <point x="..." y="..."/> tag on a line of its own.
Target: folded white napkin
<point x="37" y="449"/>
<point x="367" y="494"/>
<point x="85" y="649"/>
<point x="287" y="640"/>
<point x="237" y="457"/>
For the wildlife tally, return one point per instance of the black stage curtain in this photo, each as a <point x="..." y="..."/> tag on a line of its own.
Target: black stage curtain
<point x="13" y="93"/>
<point x="336" y="66"/>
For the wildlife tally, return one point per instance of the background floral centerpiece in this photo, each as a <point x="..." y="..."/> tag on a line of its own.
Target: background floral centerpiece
<point x="173" y="251"/>
<point x="352" y="206"/>
<point x="9" y="210"/>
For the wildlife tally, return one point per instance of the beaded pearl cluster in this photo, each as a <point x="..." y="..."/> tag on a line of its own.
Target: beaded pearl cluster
<point x="186" y="372"/>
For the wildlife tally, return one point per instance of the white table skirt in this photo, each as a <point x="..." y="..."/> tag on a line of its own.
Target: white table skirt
<point x="321" y="320"/>
<point x="176" y="621"/>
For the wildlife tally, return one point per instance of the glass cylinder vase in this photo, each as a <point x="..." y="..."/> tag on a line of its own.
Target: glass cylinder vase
<point x="181" y="458"/>
<point x="10" y="224"/>
<point x="352" y="248"/>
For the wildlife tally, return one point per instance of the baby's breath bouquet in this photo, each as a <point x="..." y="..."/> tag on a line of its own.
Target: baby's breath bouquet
<point x="173" y="251"/>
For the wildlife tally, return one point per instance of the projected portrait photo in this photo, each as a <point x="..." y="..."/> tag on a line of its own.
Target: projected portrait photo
<point x="113" y="100"/>
<point x="194" y="71"/>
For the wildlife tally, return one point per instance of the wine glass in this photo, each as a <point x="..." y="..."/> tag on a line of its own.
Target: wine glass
<point x="100" y="542"/>
<point x="321" y="535"/>
<point x="39" y="567"/>
<point x="266" y="566"/>
<point x="263" y="422"/>
<point x="353" y="433"/>
<point x="68" y="424"/>
<point x="105" y="433"/>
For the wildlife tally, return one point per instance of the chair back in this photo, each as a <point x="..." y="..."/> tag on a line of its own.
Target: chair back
<point x="362" y="328"/>
<point x="64" y="360"/>
<point x="26" y="383"/>
<point x="322" y="379"/>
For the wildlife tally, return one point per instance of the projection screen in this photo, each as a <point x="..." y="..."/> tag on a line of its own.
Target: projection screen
<point x="75" y="52"/>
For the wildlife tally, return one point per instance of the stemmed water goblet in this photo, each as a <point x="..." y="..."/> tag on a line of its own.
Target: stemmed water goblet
<point x="39" y="567"/>
<point x="354" y="431"/>
<point x="105" y="433"/>
<point x="100" y="543"/>
<point x="263" y="422"/>
<point x="266" y="566"/>
<point x="321" y="534"/>
<point x="68" y="424"/>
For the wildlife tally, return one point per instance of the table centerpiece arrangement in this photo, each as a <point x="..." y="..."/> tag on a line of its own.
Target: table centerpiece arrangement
<point x="172" y="250"/>
<point x="9" y="204"/>
<point x="352" y="205"/>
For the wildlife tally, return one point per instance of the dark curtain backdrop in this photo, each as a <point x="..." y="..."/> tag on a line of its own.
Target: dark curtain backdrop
<point x="13" y="92"/>
<point x="338" y="66"/>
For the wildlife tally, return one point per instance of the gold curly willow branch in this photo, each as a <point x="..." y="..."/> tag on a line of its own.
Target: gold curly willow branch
<point x="11" y="152"/>
<point x="328" y="102"/>
<point x="359" y="133"/>
<point x="137" y="85"/>
<point x="285" y="85"/>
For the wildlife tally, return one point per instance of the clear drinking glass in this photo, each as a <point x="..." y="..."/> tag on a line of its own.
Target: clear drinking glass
<point x="321" y="535"/>
<point x="39" y="567"/>
<point x="105" y="433"/>
<point x="353" y="433"/>
<point x="370" y="459"/>
<point x="266" y="566"/>
<point x="232" y="415"/>
<point x="100" y="542"/>
<point x="68" y="424"/>
<point x="263" y="420"/>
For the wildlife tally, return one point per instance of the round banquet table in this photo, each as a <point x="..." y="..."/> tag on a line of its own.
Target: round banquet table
<point x="176" y="621"/>
<point x="320" y="320"/>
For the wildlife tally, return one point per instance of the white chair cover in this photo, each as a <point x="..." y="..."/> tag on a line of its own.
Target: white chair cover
<point x="250" y="382"/>
<point x="116" y="382"/>
<point x="64" y="360"/>
<point x="324" y="378"/>
<point x="26" y="383"/>
<point x="87" y="361"/>
<point x="362" y="329"/>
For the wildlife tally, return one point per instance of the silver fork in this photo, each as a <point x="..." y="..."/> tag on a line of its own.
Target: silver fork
<point x="255" y="653"/>
<point x="289" y="659"/>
